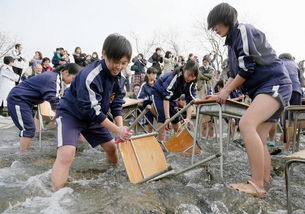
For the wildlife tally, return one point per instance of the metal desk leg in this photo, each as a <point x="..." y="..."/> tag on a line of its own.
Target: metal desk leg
<point x="220" y="141"/>
<point x="289" y="208"/>
<point x="294" y="132"/>
<point x="195" y="133"/>
<point x="229" y="135"/>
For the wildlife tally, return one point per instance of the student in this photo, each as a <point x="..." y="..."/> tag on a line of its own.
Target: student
<point x="296" y="97"/>
<point x="146" y="92"/>
<point x="8" y="79"/>
<point x="84" y="107"/>
<point x="257" y="70"/>
<point x="34" y="91"/>
<point x="167" y="90"/>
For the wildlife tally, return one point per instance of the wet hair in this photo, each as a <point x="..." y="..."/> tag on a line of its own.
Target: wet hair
<point x="116" y="47"/>
<point x="45" y="59"/>
<point x="220" y="83"/>
<point x="286" y="56"/>
<point x="17" y="45"/>
<point x="190" y="65"/>
<point x="8" y="59"/>
<point x="222" y="14"/>
<point x="167" y="54"/>
<point x="72" y="68"/>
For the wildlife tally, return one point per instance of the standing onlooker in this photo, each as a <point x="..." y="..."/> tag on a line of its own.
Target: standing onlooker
<point x="19" y="60"/>
<point x="37" y="70"/>
<point x="169" y="62"/>
<point x="191" y="57"/>
<point x="127" y="73"/>
<point x="8" y="78"/>
<point x="37" y="59"/>
<point x="181" y="61"/>
<point x="87" y="60"/>
<point x="156" y="60"/>
<point x="205" y="78"/>
<point x="46" y="65"/>
<point x="139" y="68"/>
<point x="94" y="56"/>
<point x="79" y="57"/>
<point x="57" y="58"/>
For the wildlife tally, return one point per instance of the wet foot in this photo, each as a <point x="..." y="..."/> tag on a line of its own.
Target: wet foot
<point x="249" y="188"/>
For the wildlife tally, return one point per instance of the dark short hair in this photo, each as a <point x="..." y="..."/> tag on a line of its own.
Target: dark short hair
<point x="207" y="58"/>
<point x="8" y="59"/>
<point x="45" y="59"/>
<point x="220" y="83"/>
<point x="158" y="49"/>
<point x="167" y="54"/>
<point x="152" y="70"/>
<point x="59" y="49"/>
<point x="117" y="46"/>
<point x="72" y="68"/>
<point x="222" y="14"/>
<point x="191" y="65"/>
<point x="77" y="48"/>
<point x="17" y="45"/>
<point x="286" y="56"/>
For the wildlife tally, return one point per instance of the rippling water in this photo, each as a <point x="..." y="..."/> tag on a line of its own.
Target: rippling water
<point x="98" y="187"/>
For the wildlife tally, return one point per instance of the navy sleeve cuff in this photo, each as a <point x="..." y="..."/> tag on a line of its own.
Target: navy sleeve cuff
<point x="245" y="74"/>
<point x="100" y="118"/>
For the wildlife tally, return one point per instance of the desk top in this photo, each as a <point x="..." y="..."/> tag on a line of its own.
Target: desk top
<point x="131" y="102"/>
<point x="197" y="102"/>
<point x="296" y="108"/>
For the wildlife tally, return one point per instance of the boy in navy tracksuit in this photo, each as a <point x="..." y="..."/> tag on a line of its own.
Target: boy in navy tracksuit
<point x="258" y="71"/>
<point x="168" y="89"/>
<point x="83" y="109"/>
<point x="296" y="97"/>
<point x="146" y="92"/>
<point x="33" y="91"/>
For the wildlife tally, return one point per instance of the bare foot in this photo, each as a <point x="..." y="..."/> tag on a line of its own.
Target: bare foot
<point x="249" y="188"/>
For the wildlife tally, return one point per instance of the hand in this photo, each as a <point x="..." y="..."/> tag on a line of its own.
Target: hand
<point x="168" y="126"/>
<point x="188" y="122"/>
<point x="222" y="96"/>
<point x="124" y="133"/>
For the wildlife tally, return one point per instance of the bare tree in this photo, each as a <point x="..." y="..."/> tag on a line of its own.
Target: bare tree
<point x="6" y="44"/>
<point x="145" y="46"/>
<point x="211" y="42"/>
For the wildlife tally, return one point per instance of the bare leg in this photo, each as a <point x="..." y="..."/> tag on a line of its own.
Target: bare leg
<point x="25" y="143"/>
<point x="61" y="167"/>
<point x="111" y="152"/>
<point x="272" y="132"/>
<point x="262" y="108"/>
<point x="161" y="133"/>
<point x="263" y="131"/>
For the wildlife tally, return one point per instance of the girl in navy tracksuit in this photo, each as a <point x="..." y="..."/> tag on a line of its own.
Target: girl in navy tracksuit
<point x="168" y="89"/>
<point x="256" y="70"/>
<point x="145" y="93"/>
<point x="33" y="91"/>
<point x="84" y="107"/>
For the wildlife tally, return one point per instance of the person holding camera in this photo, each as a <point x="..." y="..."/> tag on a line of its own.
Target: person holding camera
<point x="169" y="62"/>
<point x="19" y="60"/>
<point x="139" y="68"/>
<point x="79" y="57"/>
<point x="157" y="59"/>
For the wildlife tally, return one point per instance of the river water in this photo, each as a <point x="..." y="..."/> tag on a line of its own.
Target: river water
<point x="95" y="186"/>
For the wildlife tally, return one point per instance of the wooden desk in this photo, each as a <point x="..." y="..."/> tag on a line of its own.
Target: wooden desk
<point x="231" y="109"/>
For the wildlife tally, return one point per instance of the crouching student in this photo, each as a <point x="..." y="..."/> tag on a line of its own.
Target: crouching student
<point x="256" y="69"/>
<point x="34" y="91"/>
<point x="146" y="92"/>
<point x="83" y="109"/>
<point x="168" y="89"/>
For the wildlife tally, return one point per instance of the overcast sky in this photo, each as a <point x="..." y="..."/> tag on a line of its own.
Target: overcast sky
<point x="46" y="24"/>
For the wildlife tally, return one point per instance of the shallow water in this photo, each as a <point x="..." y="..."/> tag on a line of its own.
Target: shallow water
<point x="97" y="187"/>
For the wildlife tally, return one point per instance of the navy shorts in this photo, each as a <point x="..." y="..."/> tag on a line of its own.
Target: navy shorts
<point x="280" y="92"/>
<point x="69" y="129"/>
<point x="296" y="98"/>
<point x="22" y="116"/>
<point x="173" y="109"/>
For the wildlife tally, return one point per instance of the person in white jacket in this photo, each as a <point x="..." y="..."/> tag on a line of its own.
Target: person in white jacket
<point x="20" y="62"/>
<point x="7" y="79"/>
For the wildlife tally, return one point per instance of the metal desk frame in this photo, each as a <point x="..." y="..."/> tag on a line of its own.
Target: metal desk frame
<point x="231" y="109"/>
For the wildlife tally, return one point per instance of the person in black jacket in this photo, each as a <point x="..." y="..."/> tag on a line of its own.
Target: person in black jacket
<point x="79" y="57"/>
<point x="139" y="68"/>
<point x="156" y="60"/>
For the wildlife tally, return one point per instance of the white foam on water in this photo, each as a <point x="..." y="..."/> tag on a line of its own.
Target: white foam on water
<point x="187" y="209"/>
<point x="46" y="205"/>
<point x="39" y="183"/>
